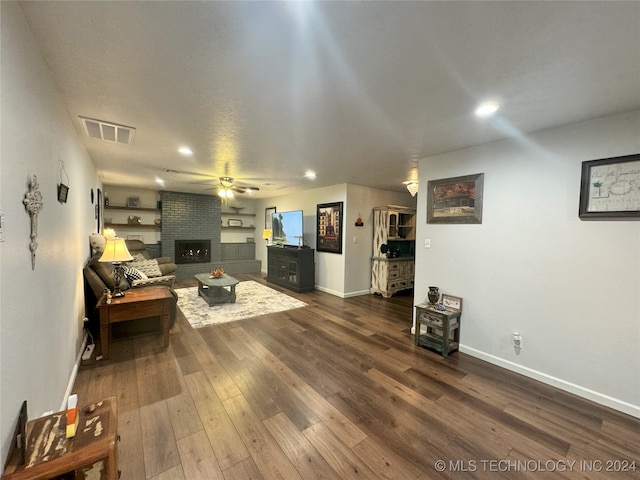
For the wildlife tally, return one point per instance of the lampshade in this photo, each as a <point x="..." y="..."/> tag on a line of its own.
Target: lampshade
<point x="115" y="250"/>
<point x="266" y="234"/>
<point x="413" y="188"/>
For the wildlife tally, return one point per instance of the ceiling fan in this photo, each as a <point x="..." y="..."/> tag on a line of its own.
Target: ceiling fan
<point x="227" y="184"/>
<point x="227" y="188"/>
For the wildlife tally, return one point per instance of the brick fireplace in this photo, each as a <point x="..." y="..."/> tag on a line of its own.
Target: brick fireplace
<point x="191" y="221"/>
<point x="191" y="234"/>
<point x="192" y="251"/>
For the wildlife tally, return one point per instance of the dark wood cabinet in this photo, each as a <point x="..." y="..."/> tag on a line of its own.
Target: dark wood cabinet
<point x="291" y="268"/>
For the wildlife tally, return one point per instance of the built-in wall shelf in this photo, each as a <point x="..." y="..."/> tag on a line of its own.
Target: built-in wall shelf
<point x="132" y="225"/>
<point x="225" y="227"/>
<point x="239" y="214"/>
<point x="139" y="209"/>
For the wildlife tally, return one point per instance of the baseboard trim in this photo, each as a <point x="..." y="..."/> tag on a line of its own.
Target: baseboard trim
<point x="602" y="399"/>
<point x="332" y="292"/>
<point x="74" y="373"/>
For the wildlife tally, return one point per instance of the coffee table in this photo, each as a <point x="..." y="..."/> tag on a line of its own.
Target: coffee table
<point x="214" y="290"/>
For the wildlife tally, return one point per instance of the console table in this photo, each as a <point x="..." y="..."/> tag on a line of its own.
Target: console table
<point x="136" y="303"/>
<point x="91" y="454"/>
<point x="292" y="268"/>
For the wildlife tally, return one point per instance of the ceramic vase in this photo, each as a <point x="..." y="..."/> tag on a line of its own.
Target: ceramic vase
<point x="433" y="295"/>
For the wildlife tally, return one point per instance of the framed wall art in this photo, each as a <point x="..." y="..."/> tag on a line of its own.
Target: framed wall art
<point x="455" y="200"/>
<point x="452" y="302"/>
<point x="133" y="202"/>
<point x="610" y="188"/>
<point x="329" y="228"/>
<point x="268" y="217"/>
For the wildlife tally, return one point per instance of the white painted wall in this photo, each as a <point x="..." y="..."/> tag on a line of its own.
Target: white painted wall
<point x="41" y="310"/>
<point x="360" y="202"/>
<point x="570" y="287"/>
<point x="343" y="275"/>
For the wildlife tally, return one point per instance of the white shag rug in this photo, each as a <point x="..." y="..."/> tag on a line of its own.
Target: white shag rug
<point x="252" y="299"/>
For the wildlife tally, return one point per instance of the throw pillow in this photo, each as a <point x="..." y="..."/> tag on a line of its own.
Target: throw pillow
<point x="148" y="267"/>
<point x="132" y="274"/>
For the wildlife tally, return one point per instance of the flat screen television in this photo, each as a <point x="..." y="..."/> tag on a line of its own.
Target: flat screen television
<point x="286" y="228"/>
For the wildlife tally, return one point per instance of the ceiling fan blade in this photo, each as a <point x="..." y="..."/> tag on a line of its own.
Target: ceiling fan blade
<point x="183" y="172"/>
<point x="244" y="189"/>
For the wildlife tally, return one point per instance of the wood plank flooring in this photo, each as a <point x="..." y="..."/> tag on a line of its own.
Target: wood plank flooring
<point x="337" y="390"/>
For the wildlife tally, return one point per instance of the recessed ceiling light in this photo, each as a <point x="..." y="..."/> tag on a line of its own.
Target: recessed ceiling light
<point x="160" y="181"/>
<point x="487" y="109"/>
<point x="185" y="151"/>
<point x="310" y="175"/>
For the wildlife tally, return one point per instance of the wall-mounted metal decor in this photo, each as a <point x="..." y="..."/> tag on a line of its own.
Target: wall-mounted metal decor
<point x="63" y="190"/>
<point x="33" y="203"/>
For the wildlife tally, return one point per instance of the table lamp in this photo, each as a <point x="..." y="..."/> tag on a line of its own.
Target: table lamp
<point x="116" y="252"/>
<point x="266" y="234"/>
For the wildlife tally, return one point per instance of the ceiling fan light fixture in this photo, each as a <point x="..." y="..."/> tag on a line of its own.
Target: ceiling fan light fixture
<point x="225" y="193"/>
<point x="226" y="182"/>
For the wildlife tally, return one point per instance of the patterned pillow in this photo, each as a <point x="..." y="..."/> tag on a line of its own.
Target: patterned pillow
<point x="148" y="267"/>
<point x="132" y="274"/>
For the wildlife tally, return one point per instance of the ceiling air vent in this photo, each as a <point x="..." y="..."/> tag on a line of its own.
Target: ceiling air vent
<point x="107" y="131"/>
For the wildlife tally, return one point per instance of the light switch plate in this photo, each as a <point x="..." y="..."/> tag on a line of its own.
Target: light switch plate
<point x="427" y="243"/>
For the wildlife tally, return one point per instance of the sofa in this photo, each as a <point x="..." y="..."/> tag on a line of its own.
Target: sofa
<point x="99" y="277"/>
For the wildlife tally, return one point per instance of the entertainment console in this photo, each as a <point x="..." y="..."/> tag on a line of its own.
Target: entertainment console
<point x="291" y="268"/>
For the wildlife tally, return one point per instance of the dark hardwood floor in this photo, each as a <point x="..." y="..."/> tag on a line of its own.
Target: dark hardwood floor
<point x="337" y="390"/>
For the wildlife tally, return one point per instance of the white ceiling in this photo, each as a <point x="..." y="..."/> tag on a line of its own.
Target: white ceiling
<point x="355" y="91"/>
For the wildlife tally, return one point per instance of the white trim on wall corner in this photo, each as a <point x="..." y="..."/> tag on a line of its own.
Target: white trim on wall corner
<point x="616" y="404"/>
<point x="74" y="373"/>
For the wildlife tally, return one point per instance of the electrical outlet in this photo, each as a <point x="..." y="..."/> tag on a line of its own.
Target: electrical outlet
<point x="516" y="340"/>
<point x="427" y="243"/>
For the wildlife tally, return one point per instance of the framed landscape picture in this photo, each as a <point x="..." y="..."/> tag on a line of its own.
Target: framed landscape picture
<point x="329" y="228"/>
<point x="610" y="188"/>
<point x="455" y="200"/>
<point x="268" y="217"/>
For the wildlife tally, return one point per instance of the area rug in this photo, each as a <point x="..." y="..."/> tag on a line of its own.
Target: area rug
<point x="252" y="299"/>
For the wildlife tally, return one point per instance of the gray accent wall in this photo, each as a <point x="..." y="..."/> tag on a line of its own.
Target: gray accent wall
<point x="188" y="216"/>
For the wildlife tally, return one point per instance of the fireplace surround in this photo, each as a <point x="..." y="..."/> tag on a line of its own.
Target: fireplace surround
<point x="192" y="251"/>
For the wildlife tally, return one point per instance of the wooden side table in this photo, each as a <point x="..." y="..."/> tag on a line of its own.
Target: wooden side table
<point x="136" y="303"/>
<point x="92" y="453"/>
<point x="442" y="328"/>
